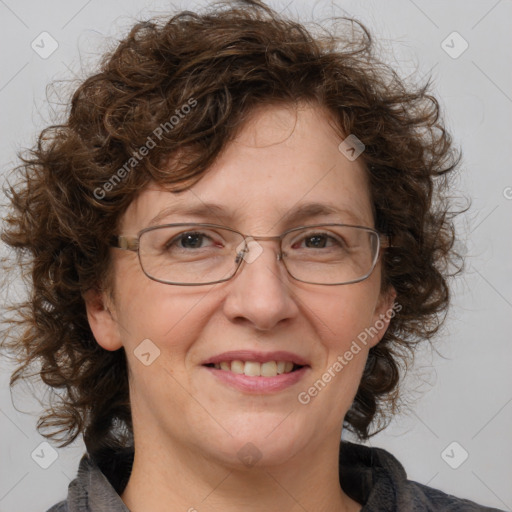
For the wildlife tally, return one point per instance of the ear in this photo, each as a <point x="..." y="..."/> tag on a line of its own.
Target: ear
<point x="100" y="313"/>
<point x="385" y="310"/>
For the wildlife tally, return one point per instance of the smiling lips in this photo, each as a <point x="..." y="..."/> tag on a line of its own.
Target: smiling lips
<point x="255" y="369"/>
<point x="256" y="364"/>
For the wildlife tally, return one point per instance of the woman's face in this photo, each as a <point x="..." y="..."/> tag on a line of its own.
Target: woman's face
<point x="282" y="160"/>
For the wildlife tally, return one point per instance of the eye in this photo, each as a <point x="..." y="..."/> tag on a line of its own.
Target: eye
<point x="319" y="241"/>
<point x="191" y="240"/>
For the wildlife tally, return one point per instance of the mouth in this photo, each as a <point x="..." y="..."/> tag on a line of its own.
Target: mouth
<point x="257" y="372"/>
<point x="255" y="368"/>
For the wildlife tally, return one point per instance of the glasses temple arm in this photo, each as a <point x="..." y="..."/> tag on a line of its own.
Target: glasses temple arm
<point x="128" y="243"/>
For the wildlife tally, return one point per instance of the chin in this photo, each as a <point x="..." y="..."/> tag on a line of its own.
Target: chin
<point x="259" y="443"/>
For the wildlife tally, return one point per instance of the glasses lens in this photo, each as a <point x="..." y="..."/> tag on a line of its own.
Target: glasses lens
<point x="331" y="254"/>
<point x="189" y="254"/>
<point x="198" y="254"/>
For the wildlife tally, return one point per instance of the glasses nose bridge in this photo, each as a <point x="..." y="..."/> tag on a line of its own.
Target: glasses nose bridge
<point x="279" y="238"/>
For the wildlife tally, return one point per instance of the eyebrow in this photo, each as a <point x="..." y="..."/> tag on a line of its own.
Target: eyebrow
<point x="297" y="214"/>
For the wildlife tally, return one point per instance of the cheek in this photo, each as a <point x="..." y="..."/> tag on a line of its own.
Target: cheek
<point x="343" y="326"/>
<point x="167" y="315"/>
<point x="343" y="315"/>
<point x="343" y="319"/>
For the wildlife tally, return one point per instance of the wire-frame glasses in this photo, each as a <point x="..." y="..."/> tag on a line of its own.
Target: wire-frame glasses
<point x="189" y="254"/>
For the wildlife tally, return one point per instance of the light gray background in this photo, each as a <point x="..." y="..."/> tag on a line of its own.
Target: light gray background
<point x="464" y="396"/>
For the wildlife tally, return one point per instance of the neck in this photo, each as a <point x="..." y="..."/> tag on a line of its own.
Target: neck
<point x="180" y="479"/>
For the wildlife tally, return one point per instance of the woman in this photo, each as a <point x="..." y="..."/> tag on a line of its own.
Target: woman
<point x="234" y="240"/>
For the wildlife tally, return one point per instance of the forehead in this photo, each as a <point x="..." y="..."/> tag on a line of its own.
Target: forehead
<point x="283" y="163"/>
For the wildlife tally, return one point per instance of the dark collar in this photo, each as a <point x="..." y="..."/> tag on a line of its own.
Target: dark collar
<point x="364" y="472"/>
<point x="371" y="476"/>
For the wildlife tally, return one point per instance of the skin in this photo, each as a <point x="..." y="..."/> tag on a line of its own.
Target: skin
<point x="188" y="426"/>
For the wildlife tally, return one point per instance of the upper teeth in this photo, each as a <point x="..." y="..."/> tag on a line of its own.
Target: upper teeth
<point x="255" y="369"/>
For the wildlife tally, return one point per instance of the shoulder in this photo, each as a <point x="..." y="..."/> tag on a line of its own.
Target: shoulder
<point x="99" y="481"/>
<point x="59" y="507"/>
<point x="373" y="476"/>
<point x="423" y="497"/>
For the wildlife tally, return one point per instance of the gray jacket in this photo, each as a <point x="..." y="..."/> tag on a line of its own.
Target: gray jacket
<point x="370" y="475"/>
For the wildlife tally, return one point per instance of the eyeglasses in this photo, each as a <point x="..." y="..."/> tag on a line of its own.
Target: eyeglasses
<point x="191" y="254"/>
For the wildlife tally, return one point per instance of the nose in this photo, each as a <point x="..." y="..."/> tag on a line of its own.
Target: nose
<point x="260" y="292"/>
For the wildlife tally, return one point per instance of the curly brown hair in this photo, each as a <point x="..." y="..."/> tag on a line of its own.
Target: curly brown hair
<point x="229" y="59"/>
